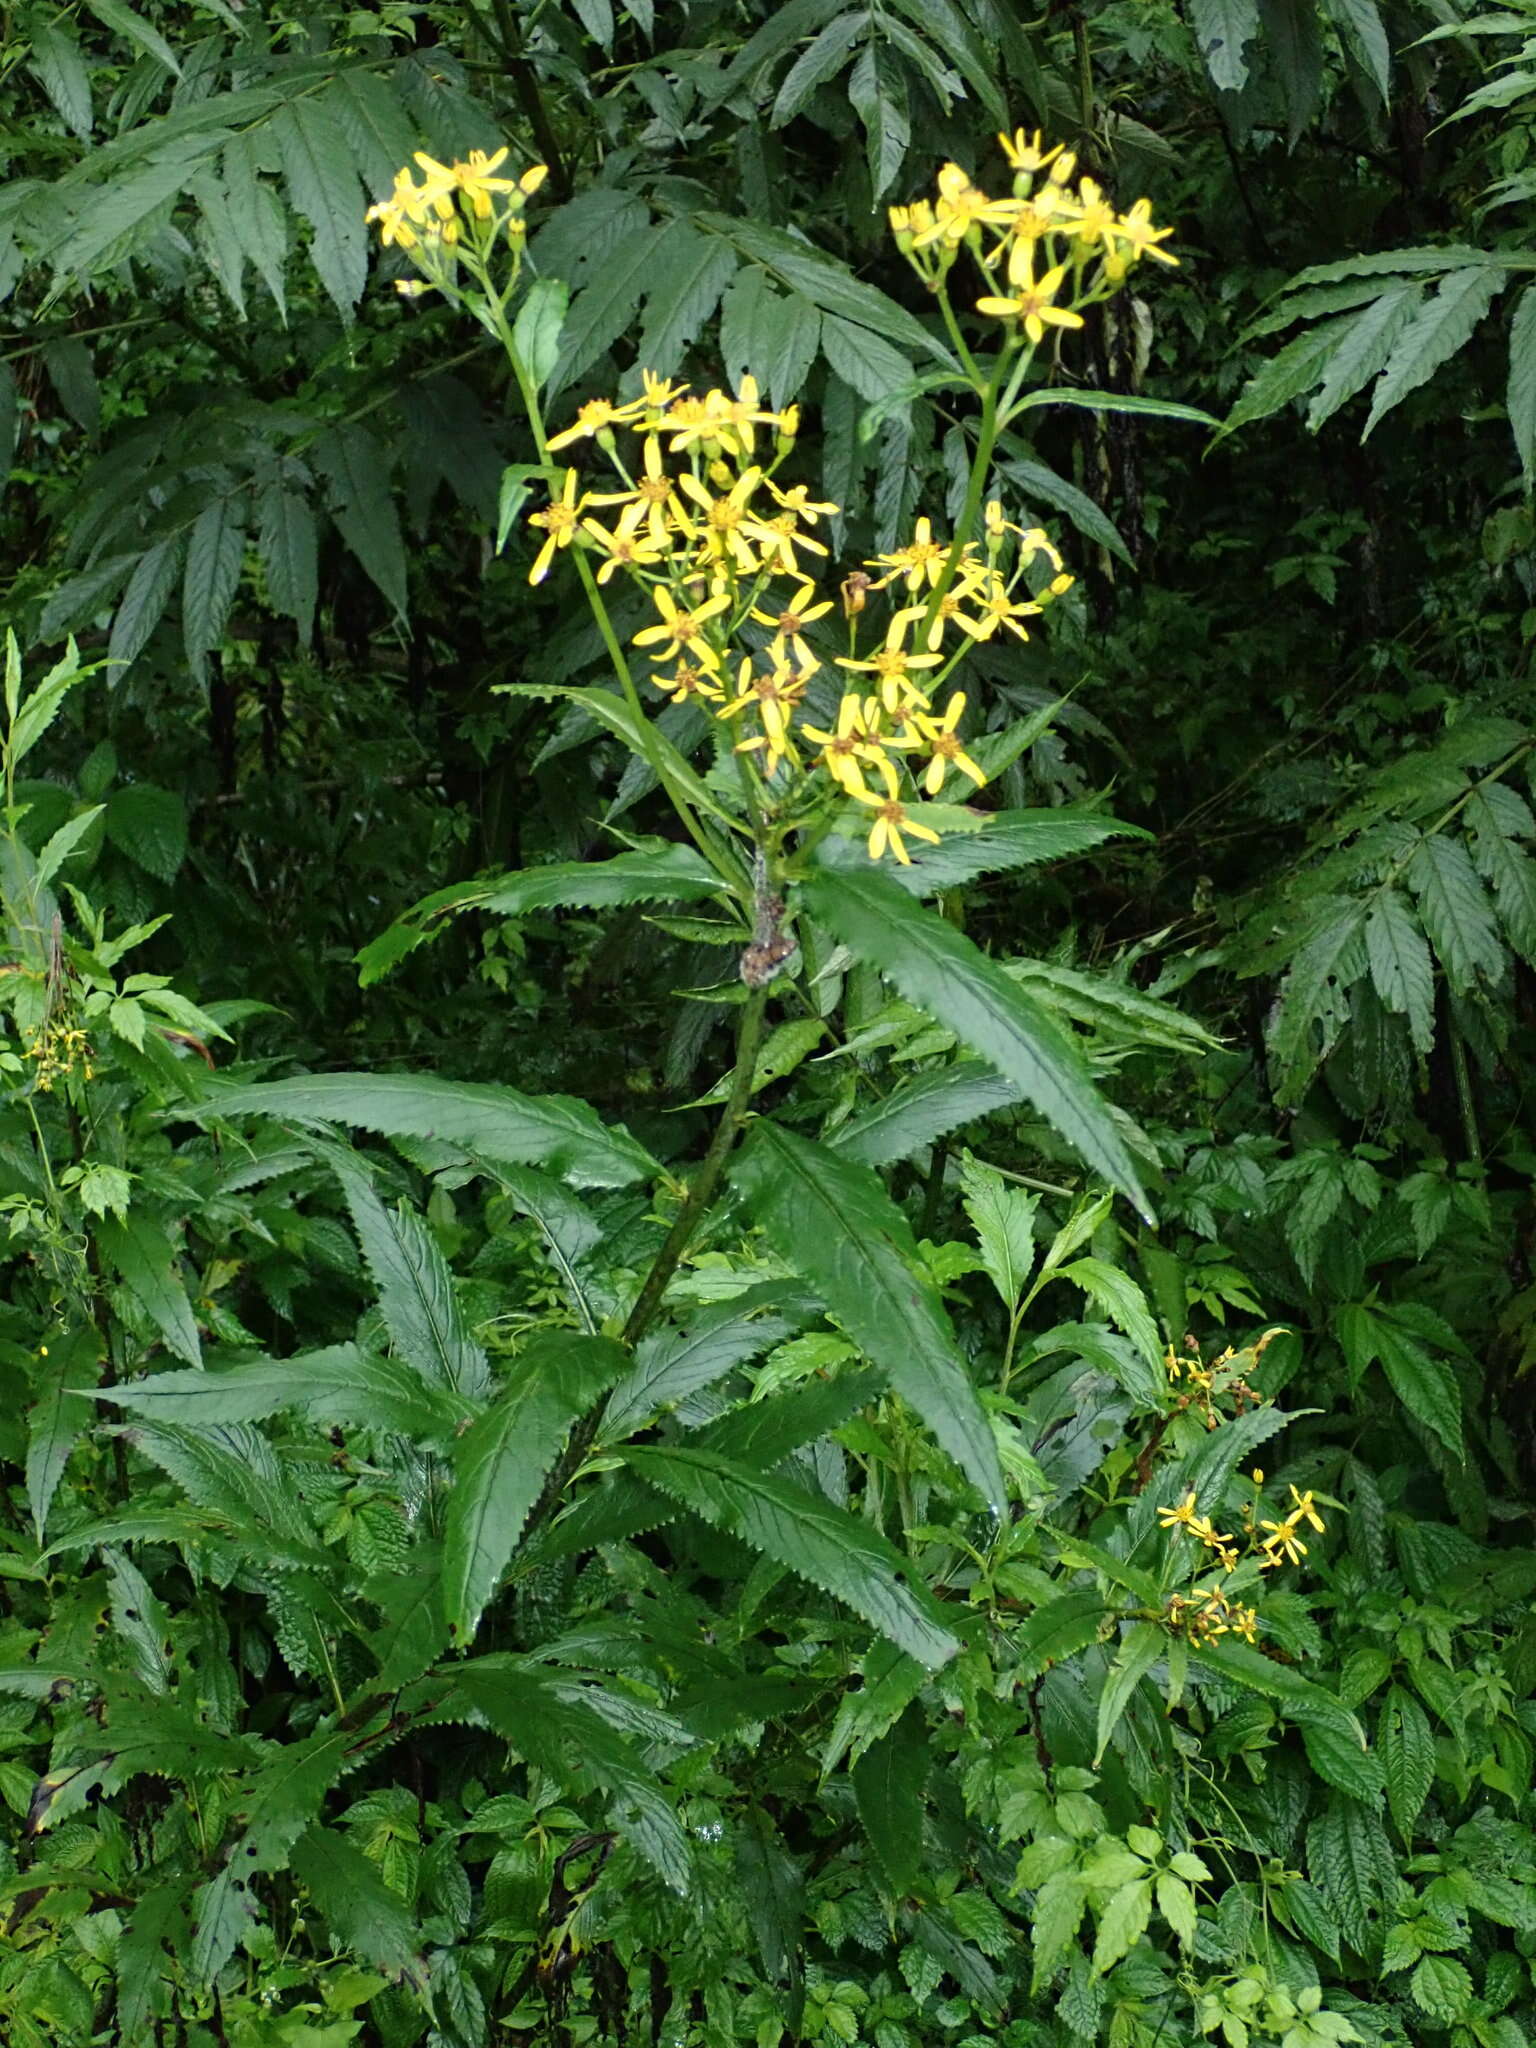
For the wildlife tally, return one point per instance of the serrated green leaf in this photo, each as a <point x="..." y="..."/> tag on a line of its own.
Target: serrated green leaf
<point x="60" y="68"/>
<point x="1059" y="1629"/>
<point x="1360" y="26"/>
<point x="1144" y="1643"/>
<point x="819" y="1542"/>
<point x="1363" y="350"/>
<point x="215" y="554"/>
<point x="1426" y="1385"/>
<point x="489" y="1122"/>
<point x="122" y="20"/>
<point x="150" y="826"/>
<point x="888" y="1782"/>
<point x="61" y="1412"/>
<point x="1122" y="1922"/>
<point x="1401" y="968"/>
<point x="289" y="549"/>
<point x="670" y="1365"/>
<point x="1300" y="365"/>
<point x="500" y="1463"/>
<point x="835" y="1224"/>
<point x="1406" y="1746"/>
<point x="921" y="1109"/>
<point x="339" y="1384"/>
<point x="143" y="602"/>
<point x="685" y="276"/>
<point x="140" y="1961"/>
<point x="361" y="1911"/>
<point x="1521" y="397"/>
<point x="773" y="335"/>
<point x="142" y="1255"/>
<point x="877" y="91"/>
<point x="939" y="969"/>
<point x="323" y="186"/>
<point x="416" y="1292"/>
<point x="1004" y="1220"/>
<point x="352" y="462"/>
<point x="1439" y="329"/>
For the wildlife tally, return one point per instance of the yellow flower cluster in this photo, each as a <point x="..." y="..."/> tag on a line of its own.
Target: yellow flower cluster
<point x="58" y="1050"/>
<point x="722" y="548"/>
<point x="432" y="216"/>
<point x="1050" y="247"/>
<point x="1208" y="1614"/>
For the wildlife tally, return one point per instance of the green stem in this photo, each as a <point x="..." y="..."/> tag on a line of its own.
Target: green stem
<point x="702" y="1188"/>
<point x="700" y="1193"/>
<point x="981" y="464"/>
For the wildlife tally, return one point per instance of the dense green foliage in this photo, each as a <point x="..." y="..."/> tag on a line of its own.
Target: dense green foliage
<point x="620" y="1423"/>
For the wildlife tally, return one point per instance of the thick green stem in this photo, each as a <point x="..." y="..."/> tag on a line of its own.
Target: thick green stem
<point x="700" y="1193"/>
<point x="702" y="1188"/>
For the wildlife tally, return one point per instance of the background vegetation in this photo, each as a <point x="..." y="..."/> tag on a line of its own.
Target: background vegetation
<point x="401" y="1642"/>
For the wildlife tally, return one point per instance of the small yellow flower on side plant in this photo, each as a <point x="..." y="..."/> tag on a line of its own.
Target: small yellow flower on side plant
<point x="592" y="418"/>
<point x="942" y="736"/>
<point x="1031" y="302"/>
<point x="891" y="819"/>
<point x="682" y="629"/>
<point x="561" y="520"/>
<point x="894" y="664"/>
<point x="855" y="743"/>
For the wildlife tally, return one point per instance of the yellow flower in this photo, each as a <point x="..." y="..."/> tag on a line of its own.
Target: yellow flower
<point x="1096" y="218"/>
<point x="1035" y="541"/>
<point x="1183" y="1515"/>
<point x="855" y="739"/>
<point x="656" y="492"/>
<point x="789" y="624"/>
<point x="920" y="561"/>
<point x="891" y="819"/>
<point x="404" y="210"/>
<point x="593" y="418"/>
<point x="944" y="741"/>
<point x="773" y="694"/>
<point x="994" y="608"/>
<point x="960" y="207"/>
<point x="730" y="525"/>
<point x="1027" y="153"/>
<point x="477" y="183"/>
<point x="442" y="182"/>
<point x="893" y="663"/>
<point x="682" y="629"/>
<point x="1031" y="302"/>
<point x="532" y="179"/>
<point x="687" y="682"/>
<point x="1283" y="1541"/>
<point x="744" y="413"/>
<point x="1304" y="1510"/>
<point x="1134" y="236"/>
<point x="560" y="519"/>
<point x="622" y="546"/>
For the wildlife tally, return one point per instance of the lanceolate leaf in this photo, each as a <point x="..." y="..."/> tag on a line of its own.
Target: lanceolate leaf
<point x="1223" y="29"/>
<point x="144" y="1258"/>
<point x="552" y="1726"/>
<point x="1439" y="329"/>
<point x="835" y="1224"/>
<point x="922" y="1109"/>
<point x="416" y="1293"/>
<point x="888" y="1784"/>
<point x="324" y="187"/>
<point x="1005" y="840"/>
<point x="672" y="1364"/>
<point x="340" y="1384"/>
<point x="1425" y="1385"/>
<point x="499" y="1465"/>
<point x="361" y="1911"/>
<point x="822" y="1543"/>
<point x="1406" y="1746"/>
<point x="1401" y="968"/>
<point x="61" y="1413"/>
<point x="1522" y="382"/>
<point x="938" y="968"/>
<point x="554" y="1131"/>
